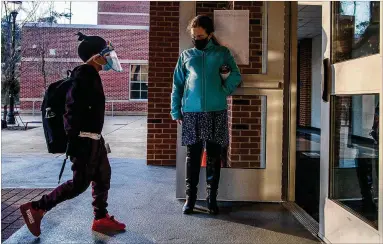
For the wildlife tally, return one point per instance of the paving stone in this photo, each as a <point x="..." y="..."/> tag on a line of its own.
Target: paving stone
<point x="15" y="191"/>
<point x="7" y="196"/>
<point x="3" y="226"/>
<point x="15" y="198"/>
<point x="8" y="211"/>
<point x="18" y="223"/>
<point x="5" y="234"/>
<point x="4" y="206"/>
<point x="9" y="219"/>
<point x="5" y="191"/>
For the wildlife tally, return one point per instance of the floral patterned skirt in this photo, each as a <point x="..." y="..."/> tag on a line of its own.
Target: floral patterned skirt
<point x="205" y="126"/>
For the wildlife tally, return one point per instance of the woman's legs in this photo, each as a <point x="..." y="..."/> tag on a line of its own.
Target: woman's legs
<point x="213" y="172"/>
<point x="193" y="165"/>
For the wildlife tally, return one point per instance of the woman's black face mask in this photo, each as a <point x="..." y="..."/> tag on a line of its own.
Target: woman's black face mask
<point x="200" y="44"/>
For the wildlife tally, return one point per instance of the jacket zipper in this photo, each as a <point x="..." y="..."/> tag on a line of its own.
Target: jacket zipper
<point x="203" y="81"/>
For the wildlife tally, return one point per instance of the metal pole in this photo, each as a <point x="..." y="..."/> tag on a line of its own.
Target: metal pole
<point x="11" y="115"/>
<point x="9" y="54"/>
<point x="33" y="109"/>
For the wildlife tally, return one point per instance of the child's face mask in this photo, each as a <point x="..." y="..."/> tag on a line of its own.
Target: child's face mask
<point x="111" y="59"/>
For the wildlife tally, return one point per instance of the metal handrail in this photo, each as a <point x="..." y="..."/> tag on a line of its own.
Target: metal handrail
<point x="34" y="100"/>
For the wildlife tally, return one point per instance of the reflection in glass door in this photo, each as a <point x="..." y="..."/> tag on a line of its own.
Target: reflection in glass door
<point x="355" y="30"/>
<point x="355" y="155"/>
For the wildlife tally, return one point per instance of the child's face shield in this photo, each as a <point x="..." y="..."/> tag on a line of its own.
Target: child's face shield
<point x="111" y="57"/>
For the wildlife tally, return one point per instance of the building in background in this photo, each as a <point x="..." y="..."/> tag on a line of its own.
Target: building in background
<point x="50" y="50"/>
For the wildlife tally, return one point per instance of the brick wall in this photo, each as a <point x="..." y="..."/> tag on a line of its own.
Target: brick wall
<point x="243" y="116"/>
<point x="245" y="130"/>
<point x="135" y="7"/>
<point x="305" y="82"/>
<point x="163" y="55"/>
<point x="107" y="19"/>
<point x="207" y="8"/>
<point x="130" y="45"/>
<point x="124" y="6"/>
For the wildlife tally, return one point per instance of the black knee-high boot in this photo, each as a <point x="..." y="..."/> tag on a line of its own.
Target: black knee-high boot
<point x="213" y="172"/>
<point x="193" y="166"/>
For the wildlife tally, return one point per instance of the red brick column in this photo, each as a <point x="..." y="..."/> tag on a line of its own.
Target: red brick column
<point x="163" y="56"/>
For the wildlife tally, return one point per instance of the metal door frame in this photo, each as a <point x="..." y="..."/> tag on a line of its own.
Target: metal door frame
<point x="336" y="224"/>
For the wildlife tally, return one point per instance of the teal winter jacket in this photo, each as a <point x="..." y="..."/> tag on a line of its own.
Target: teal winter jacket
<point x="197" y="84"/>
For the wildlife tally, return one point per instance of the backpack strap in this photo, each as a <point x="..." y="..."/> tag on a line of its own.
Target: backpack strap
<point x="71" y="73"/>
<point x="62" y="167"/>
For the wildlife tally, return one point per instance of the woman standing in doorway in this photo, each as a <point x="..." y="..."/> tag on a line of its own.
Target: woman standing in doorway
<point x="203" y="79"/>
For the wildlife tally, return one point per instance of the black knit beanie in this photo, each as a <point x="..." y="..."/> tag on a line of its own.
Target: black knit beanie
<point x="89" y="46"/>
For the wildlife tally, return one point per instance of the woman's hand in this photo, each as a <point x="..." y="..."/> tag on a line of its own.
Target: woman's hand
<point x="179" y="121"/>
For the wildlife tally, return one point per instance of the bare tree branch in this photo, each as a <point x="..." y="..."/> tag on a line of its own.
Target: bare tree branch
<point x="12" y="60"/>
<point x="31" y="13"/>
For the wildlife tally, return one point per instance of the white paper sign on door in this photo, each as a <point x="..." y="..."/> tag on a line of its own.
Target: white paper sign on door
<point x="232" y="31"/>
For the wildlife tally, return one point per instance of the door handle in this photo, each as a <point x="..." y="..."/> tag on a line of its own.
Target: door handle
<point x="326" y="80"/>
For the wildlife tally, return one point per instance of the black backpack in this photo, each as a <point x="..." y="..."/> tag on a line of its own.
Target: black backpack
<point x="52" y="110"/>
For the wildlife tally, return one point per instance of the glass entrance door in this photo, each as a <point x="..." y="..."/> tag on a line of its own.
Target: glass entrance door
<point x="351" y="90"/>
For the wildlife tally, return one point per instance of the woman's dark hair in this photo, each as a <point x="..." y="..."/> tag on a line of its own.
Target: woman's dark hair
<point x="89" y="46"/>
<point x="206" y="23"/>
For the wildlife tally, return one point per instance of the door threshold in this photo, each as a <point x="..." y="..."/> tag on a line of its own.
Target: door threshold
<point x="303" y="218"/>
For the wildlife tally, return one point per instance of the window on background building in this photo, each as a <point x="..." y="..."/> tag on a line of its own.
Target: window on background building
<point x="139" y="82"/>
<point x="52" y="52"/>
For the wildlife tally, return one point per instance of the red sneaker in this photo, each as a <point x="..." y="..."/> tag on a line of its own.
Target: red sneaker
<point x="107" y="224"/>
<point x="32" y="217"/>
